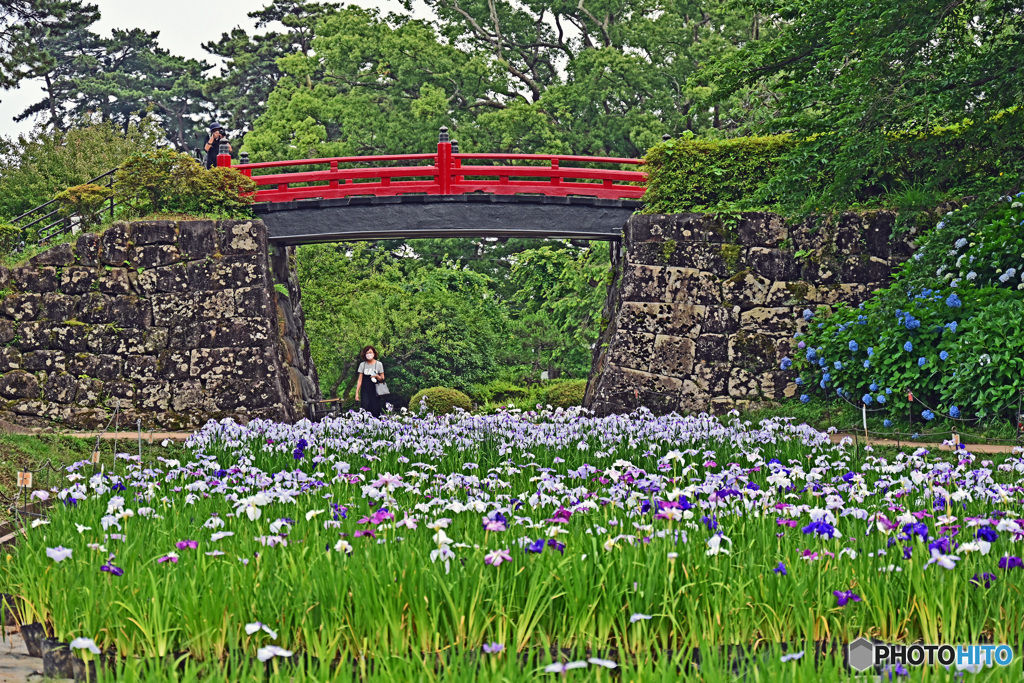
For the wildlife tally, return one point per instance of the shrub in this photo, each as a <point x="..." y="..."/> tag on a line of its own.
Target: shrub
<point x="440" y="400"/>
<point x="35" y="167"/>
<point x="694" y="175"/>
<point x="498" y="391"/>
<point x="11" y="237"/>
<point x="164" y="181"/>
<point x="223" y="190"/>
<point x="567" y="394"/>
<point x="949" y="330"/>
<point x="85" y="200"/>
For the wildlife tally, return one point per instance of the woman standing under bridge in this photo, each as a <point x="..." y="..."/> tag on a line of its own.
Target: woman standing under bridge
<point x="372" y="371"/>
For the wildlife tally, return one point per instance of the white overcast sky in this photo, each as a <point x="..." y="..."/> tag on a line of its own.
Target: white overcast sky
<point x="184" y="25"/>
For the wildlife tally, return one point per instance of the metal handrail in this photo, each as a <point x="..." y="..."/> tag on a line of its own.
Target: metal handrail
<point x="43" y="206"/>
<point x="47" y="233"/>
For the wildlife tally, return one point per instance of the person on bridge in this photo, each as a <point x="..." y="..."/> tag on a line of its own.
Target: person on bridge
<point x="212" y="147"/>
<point x="371" y="370"/>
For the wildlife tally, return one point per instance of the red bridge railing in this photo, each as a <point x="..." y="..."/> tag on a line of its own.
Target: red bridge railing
<point x="447" y="172"/>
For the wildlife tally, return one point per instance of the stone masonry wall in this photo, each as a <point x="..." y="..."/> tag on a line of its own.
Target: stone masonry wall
<point x="175" y="322"/>
<point x="701" y="311"/>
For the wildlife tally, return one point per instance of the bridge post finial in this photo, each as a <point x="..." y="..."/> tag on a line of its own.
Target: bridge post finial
<point x="223" y="155"/>
<point x="243" y="157"/>
<point x="455" y="146"/>
<point x="443" y="134"/>
<point x="666" y="137"/>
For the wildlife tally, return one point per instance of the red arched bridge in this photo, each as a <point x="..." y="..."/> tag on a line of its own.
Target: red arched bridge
<point x="447" y="194"/>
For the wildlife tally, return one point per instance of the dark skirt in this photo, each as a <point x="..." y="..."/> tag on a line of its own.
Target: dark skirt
<point x="368" y="398"/>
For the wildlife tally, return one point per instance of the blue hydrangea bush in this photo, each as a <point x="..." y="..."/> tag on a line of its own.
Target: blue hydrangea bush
<point x="949" y="331"/>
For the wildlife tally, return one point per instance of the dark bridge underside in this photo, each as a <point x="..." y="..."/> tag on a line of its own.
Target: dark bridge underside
<point x="424" y="216"/>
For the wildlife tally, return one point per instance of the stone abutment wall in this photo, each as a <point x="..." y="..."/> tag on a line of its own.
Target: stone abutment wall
<point x="174" y="322"/>
<point x="701" y="310"/>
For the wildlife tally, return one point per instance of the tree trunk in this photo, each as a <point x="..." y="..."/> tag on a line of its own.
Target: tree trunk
<point x="346" y="371"/>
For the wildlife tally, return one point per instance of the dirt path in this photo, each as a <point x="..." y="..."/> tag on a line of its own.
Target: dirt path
<point x="913" y="445"/>
<point x="147" y="438"/>
<point x="157" y="437"/>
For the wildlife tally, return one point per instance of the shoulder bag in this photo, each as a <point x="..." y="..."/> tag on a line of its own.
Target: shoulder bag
<point x="382" y="389"/>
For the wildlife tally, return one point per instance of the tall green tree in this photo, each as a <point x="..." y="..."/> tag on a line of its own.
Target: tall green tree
<point x="387" y="85"/>
<point x="36" y="166"/>
<point x="250" y="70"/>
<point x="432" y="325"/>
<point x="886" y="95"/>
<point x="24" y="27"/>
<point x="605" y="77"/>
<point x="121" y="78"/>
<point x="560" y="290"/>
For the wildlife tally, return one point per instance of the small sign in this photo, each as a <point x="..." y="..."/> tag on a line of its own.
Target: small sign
<point x="96" y="457"/>
<point x="544" y="376"/>
<point x="24" y="479"/>
<point x="910" y="396"/>
<point x="956" y="439"/>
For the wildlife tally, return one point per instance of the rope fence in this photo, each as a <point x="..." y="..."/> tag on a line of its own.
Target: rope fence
<point x="19" y="502"/>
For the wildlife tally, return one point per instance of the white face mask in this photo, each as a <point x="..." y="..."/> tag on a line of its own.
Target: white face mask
<point x="369" y="355"/>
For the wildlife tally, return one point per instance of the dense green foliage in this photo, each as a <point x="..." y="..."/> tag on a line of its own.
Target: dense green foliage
<point x="567" y="394"/>
<point x="950" y="330"/>
<point x="86" y="201"/>
<point x="165" y="181"/>
<point x="603" y="79"/>
<point x="439" y="401"/>
<point x="10" y="237"/>
<point x="692" y="174"/>
<point x="886" y="98"/>
<point x="454" y="317"/>
<point x="36" y="167"/>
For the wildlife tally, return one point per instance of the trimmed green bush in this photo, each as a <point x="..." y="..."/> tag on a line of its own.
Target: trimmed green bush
<point x="695" y="175"/>
<point x="440" y="400"/>
<point x="567" y="394"/>
<point x="498" y="391"/>
<point x="165" y="181"/>
<point x="86" y="200"/>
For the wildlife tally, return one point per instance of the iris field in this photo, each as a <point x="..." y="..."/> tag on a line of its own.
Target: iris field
<point x="523" y="546"/>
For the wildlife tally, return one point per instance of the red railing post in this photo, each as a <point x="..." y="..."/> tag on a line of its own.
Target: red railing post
<point x="334" y="169"/>
<point x="223" y="156"/>
<point x="555" y="180"/>
<point x="444" y="162"/>
<point x="457" y="164"/>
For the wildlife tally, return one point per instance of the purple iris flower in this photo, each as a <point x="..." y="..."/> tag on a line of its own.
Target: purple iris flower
<point x="987" y="533"/>
<point x="560" y="547"/>
<point x="1011" y="562"/>
<point x="116" y="571"/>
<point x="710" y="522"/>
<point x="918" y="529"/>
<point x="985" y="579"/>
<point x="781" y="569"/>
<point x="907" y="552"/>
<point x="493" y="648"/>
<point x="536" y="547"/>
<point x="844" y="597"/>
<point x="941" y="544"/>
<point x="821" y="528"/>
<point x="182" y="545"/>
